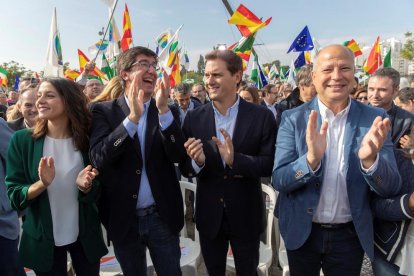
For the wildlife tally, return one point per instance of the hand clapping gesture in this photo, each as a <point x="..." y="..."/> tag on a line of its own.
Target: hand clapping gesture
<point x="162" y="95"/>
<point x="85" y="178"/>
<point x="316" y="141"/>
<point x="373" y="141"/>
<point x="226" y="149"/>
<point x="46" y="170"/>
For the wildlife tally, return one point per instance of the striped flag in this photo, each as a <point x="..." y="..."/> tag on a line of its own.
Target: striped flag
<point x="126" y="40"/>
<point x="353" y="45"/>
<point x="246" y="21"/>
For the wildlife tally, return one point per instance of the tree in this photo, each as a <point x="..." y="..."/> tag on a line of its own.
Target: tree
<point x="198" y="78"/>
<point x="200" y="65"/>
<point x="407" y="51"/>
<point x="14" y="68"/>
<point x="275" y="62"/>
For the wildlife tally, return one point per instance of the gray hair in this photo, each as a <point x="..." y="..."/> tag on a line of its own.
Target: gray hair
<point x="304" y="76"/>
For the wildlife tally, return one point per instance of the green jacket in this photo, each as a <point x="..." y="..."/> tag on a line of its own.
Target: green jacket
<point x="37" y="243"/>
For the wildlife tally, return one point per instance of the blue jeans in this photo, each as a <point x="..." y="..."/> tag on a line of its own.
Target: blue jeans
<point x="384" y="268"/>
<point x="336" y="250"/>
<point x="8" y="258"/>
<point x="164" y="247"/>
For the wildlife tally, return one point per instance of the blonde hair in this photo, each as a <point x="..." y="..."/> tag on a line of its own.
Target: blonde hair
<point x="13" y="112"/>
<point x="112" y="90"/>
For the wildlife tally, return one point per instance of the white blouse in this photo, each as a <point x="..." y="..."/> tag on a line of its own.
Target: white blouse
<point x="63" y="192"/>
<point x="405" y="258"/>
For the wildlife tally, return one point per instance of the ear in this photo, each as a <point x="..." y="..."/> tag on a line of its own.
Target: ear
<point x="124" y="75"/>
<point x="238" y="75"/>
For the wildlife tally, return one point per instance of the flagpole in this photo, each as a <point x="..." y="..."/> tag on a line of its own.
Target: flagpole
<point x="107" y="28"/>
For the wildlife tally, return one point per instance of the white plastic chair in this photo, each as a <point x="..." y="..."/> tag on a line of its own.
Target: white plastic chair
<point x="265" y="251"/>
<point x="190" y="249"/>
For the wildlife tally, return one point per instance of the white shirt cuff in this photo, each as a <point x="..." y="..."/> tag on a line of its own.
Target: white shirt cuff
<point x="371" y="169"/>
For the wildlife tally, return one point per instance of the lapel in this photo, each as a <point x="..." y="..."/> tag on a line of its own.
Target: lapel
<point x="121" y="102"/>
<point x="152" y="126"/>
<point x="243" y="119"/>
<point x="351" y="126"/>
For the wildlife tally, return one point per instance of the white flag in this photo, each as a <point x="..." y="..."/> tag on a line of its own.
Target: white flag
<point x="54" y="62"/>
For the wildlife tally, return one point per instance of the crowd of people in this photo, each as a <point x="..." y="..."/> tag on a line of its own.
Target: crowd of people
<point x="75" y="155"/>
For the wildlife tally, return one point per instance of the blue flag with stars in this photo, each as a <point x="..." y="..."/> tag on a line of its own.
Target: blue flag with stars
<point x="303" y="42"/>
<point x="300" y="60"/>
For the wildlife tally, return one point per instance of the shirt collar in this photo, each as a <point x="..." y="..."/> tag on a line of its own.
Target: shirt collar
<point x="325" y="111"/>
<point x="235" y="106"/>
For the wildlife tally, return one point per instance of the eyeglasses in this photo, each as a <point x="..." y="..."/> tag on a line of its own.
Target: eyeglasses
<point x="362" y="98"/>
<point x="145" y="64"/>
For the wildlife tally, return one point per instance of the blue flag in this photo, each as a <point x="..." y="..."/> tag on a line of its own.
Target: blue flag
<point x="300" y="60"/>
<point x="16" y="83"/>
<point x="303" y="42"/>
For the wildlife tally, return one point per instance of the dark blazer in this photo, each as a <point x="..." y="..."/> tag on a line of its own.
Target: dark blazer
<point x="402" y="122"/>
<point x="17" y="124"/>
<point x="239" y="187"/>
<point x="119" y="160"/>
<point x="37" y="243"/>
<point x="299" y="189"/>
<point x="3" y="111"/>
<point x="392" y="215"/>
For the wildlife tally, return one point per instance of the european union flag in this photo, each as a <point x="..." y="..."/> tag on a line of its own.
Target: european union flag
<point x="16" y="83"/>
<point x="300" y="60"/>
<point x="303" y="42"/>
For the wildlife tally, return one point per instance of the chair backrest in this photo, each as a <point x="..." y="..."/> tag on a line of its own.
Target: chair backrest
<point x="185" y="185"/>
<point x="270" y="208"/>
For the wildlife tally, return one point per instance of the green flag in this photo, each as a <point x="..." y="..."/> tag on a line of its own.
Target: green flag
<point x="387" y="59"/>
<point x="106" y="68"/>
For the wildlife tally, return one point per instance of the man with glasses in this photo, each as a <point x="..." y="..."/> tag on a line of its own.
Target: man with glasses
<point x="199" y="92"/>
<point x="270" y="94"/>
<point x="135" y="142"/>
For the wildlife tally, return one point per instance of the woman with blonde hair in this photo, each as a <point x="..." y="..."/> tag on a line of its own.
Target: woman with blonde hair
<point x="48" y="177"/>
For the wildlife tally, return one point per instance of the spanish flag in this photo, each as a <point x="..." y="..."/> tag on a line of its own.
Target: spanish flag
<point x="126" y="40"/>
<point x="83" y="59"/>
<point x="353" y="45"/>
<point x="246" y="21"/>
<point x="374" y="60"/>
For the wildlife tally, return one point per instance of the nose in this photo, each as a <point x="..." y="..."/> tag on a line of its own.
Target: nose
<point x="336" y="73"/>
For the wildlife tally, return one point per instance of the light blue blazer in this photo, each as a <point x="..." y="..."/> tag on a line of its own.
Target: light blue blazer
<point x="299" y="189"/>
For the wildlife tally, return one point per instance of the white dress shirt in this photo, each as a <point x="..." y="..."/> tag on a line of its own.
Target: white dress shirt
<point x="333" y="206"/>
<point x="271" y="107"/>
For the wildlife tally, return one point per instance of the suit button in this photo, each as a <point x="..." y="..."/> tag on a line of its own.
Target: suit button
<point x="310" y="211"/>
<point x="172" y="138"/>
<point x="317" y="185"/>
<point x="134" y="196"/>
<point x="225" y="177"/>
<point x="221" y="200"/>
<point x="117" y="142"/>
<point x="138" y="172"/>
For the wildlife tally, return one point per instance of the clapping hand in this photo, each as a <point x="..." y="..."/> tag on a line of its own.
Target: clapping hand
<point x="85" y="178"/>
<point x="226" y="149"/>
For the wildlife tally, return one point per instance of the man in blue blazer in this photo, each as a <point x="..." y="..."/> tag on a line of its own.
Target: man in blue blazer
<point x="331" y="154"/>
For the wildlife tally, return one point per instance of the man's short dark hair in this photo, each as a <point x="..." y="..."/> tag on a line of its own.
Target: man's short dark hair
<point x="406" y="95"/>
<point x="182" y="88"/>
<point x="388" y="72"/>
<point x="233" y="62"/>
<point x="267" y="88"/>
<point x="127" y="58"/>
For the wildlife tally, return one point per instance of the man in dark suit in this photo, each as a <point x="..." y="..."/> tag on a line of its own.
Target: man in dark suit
<point x="230" y="145"/>
<point x="270" y="94"/>
<point x="325" y="177"/>
<point x="27" y="106"/>
<point x="135" y="142"/>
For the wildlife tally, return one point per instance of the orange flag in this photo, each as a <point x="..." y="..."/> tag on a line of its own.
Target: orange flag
<point x="83" y="59"/>
<point x="374" y="60"/>
<point x="246" y="21"/>
<point x="126" y="40"/>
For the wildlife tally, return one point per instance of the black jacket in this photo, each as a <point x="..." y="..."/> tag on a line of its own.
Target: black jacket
<point x="17" y="124"/>
<point x="118" y="158"/>
<point x="392" y="215"/>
